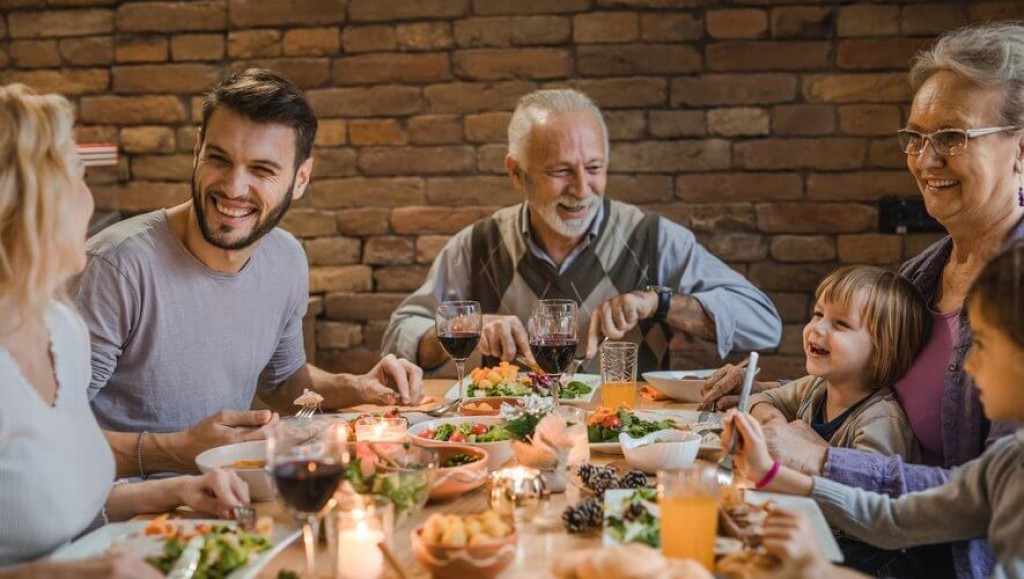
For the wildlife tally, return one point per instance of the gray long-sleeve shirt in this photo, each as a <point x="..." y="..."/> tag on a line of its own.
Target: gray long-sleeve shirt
<point x="984" y="497"/>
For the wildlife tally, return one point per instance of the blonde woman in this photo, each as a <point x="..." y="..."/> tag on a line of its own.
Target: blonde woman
<point x="56" y="468"/>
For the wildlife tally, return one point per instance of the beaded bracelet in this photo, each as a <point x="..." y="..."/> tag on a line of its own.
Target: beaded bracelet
<point x="138" y="454"/>
<point x="768" y="476"/>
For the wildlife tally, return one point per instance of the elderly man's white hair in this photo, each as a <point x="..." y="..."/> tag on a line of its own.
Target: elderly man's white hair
<point x="541" y="105"/>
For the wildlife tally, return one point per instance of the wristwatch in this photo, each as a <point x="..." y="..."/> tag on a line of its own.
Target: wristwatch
<point x="664" y="300"/>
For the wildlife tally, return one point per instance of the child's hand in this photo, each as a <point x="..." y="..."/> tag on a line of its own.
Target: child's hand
<point x="788" y="536"/>
<point x="752" y="457"/>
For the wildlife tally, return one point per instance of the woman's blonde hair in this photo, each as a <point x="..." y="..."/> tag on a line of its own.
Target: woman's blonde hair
<point x="37" y="165"/>
<point x="893" y="312"/>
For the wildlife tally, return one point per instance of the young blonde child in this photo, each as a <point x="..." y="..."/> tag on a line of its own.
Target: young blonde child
<point x="984" y="497"/>
<point x="867" y="325"/>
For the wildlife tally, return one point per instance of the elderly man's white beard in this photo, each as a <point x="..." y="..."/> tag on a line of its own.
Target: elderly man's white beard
<point x="573" y="227"/>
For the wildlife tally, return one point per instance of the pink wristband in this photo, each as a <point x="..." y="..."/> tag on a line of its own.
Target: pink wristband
<point x="769" y="476"/>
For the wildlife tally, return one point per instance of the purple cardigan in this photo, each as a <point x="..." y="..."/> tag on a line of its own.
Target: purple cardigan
<point x="965" y="430"/>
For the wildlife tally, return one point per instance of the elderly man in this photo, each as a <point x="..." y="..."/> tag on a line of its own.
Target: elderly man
<point x="192" y="310"/>
<point x="637" y="276"/>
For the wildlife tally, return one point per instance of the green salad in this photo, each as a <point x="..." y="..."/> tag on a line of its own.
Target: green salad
<point x="500" y="389"/>
<point x="458" y="460"/>
<point x="631" y="520"/>
<point x="225" y="549"/>
<point x="406" y="489"/>
<point x="468" y="432"/>
<point x="539" y="384"/>
<point x="607" y="428"/>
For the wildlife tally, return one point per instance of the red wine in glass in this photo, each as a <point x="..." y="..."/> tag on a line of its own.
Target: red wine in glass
<point x="554" y="353"/>
<point x="307" y="485"/>
<point x="459" y="345"/>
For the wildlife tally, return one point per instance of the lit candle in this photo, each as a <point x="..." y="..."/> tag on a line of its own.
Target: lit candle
<point x="381" y="430"/>
<point x="359" y="557"/>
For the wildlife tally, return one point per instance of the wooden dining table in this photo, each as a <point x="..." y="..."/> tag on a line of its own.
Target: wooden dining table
<point x="538" y="544"/>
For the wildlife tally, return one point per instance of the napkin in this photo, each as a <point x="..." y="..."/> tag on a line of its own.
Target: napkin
<point x="428" y="403"/>
<point x="649" y="392"/>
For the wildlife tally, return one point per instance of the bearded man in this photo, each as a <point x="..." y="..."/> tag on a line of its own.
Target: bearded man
<point x="635" y="275"/>
<point x="195" y="309"/>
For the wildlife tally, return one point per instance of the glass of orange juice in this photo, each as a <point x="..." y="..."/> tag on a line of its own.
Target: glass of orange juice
<point x="688" y="501"/>
<point x="618" y="374"/>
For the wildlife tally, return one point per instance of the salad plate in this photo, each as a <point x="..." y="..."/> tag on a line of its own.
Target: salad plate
<point x="631" y="516"/>
<point x="580" y="389"/>
<point x="131" y="537"/>
<point x="707" y="424"/>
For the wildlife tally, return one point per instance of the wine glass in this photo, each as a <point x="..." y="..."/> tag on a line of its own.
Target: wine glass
<point x="552" y="331"/>
<point x="458" y="327"/>
<point x="302" y="456"/>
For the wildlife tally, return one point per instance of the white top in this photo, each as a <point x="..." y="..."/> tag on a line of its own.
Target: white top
<point x="56" y="468"/>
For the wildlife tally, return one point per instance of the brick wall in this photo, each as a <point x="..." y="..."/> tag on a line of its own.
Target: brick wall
<point x="766" y="126"/>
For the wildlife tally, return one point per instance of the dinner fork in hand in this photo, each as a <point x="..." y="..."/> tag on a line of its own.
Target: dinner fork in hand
<point x="246" y="518"/>
<point x="725" y="466"/>
<point x="306" y="412"/>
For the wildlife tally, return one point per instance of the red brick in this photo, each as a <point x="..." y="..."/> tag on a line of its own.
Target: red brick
<point x="416" y="220"/>
<point x="365" y="102"/>
<point x="733" y="247"/>
<point x="670" y="27"/>
<point x="344" y="278"/>
<point x="94" y="133"/>
<point x="34" y="53"/>
<point x="334" y="162"/>
<point x="605" y="27"/>
<point x="739" y="121"/>
<point x="351" y="361"/>
<point x="87" y="51"/>
<point x="311" y="42"/>
<point x="361" y="306"/>
<point x="886" y="153"/>
<point x="525" y="31"/>
<point x="657" y="4"/>
<point x="999" y="10"/>
<point x="368" y="38"/>
<point x="671" y="156"/>
<point x="415" y="160"/>
<point x="733" y="89"/>
<point x="254" y="43"/>
<point x="465" y="97"/>
<point x="69" y="82"/>
<point x="140" y="196"/>
<point x="333" y="250"/>
<point x="878" y="53"/>
<point x="670" y="124"/>
<point x="171" y="16"/>
<point x="376" y="132"/>
<point x="60" y="23"/>
<point x="487" y="127"/>
<point x="815" y="217"/>
<point x="803" y="120"/>
<point x="827" y="154"/>
<point x="629" y="59"/>
<point x="503" y="64"/>
<point x="792" y="307"/>
<point x="640" y="189"/>
<point x="428" y="246"/>
<point x="147" y="140"/>
<point x="338" y="335"/>
<point x="491" y="159"/>
<point x="376" y="11"/>
<point x="802" y="22"/>
<point x="307" y="73"/>
<point x="928" y="19"/>
<point x="396" y="68"/>
<point x="331" y="133"/>
<point x="802" y="277"/>
<point x="473" y="190"/>
<point x="167" y="78"/>
<point x="252" y="13"/>
<point x="310" y="223"/>
<point x="197" y="47"/>
<point x="482" y="32"/>
<point x="162" y="167"/>
<point x="860" y="186"/>
<point x="389" y="250"/>
<point x="435" y="130"/>
<point x="736" y="23"/>
<point x="140" y="49"/>
<point x="401" y="278"/>
<point x="767" y="55"/>
<point x="870" y="119"/>
<point x="363" y="192"/>
<point x="424" y="36"/>
<point x="137" y="110"/>
<point x="868" y="20"/>
<point x="625" y="125"/>
<point x="622" y="93"/>
<point x="792" y="341"/>
<point x="731" y="187"/>
<point x="710" y="217"/>
<point x="364" y="221"/>
<point x="851" y="88"/>
<point x="872" y="248"/>
<point x="492" y="7"/>
<point x="187" y="137"/>
<point x="915" y="243"/>
<point x="803" y="248"/>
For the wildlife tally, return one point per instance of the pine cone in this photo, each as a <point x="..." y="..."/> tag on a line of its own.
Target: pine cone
<point x="634" y="479"/>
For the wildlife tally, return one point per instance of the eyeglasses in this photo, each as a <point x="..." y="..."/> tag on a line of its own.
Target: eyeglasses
<point x="946" y="142"/>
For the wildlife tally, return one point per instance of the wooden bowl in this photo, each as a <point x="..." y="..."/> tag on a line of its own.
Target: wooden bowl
<point x="453" y="481"/>
<point x="477" y="561"/>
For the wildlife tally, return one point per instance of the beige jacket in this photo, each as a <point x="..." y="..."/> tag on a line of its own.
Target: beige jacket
<point x="878" y="425"/>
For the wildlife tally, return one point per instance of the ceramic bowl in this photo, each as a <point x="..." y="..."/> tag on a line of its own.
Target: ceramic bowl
<point x="661" y="450"/>
<point x="453" y="481"/>
<point x="681" y="385"/>
<point x="498" y="453"/>
<point x="478" y="561"/>
<point x="261" y="485"/>
<point x="494" y="402"/>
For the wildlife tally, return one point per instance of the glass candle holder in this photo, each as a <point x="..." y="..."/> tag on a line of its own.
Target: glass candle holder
<point x="362" y="528"/>
<point x="381" y="429"/>
<point x="576" y="424"/>
<point x="517" y="493"/>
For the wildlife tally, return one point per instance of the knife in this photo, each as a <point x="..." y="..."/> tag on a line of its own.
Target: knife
<point x="187" y="564"/>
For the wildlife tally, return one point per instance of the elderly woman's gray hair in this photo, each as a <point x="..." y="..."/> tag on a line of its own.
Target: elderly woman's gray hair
<point x="984" y="54"/>
<point x="540" y="105"/>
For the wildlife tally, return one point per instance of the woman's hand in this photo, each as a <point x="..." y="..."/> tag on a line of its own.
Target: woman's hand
<point x="109" y="566"/>
<point x="788" y="535"/>
<point x="217" y="492"/>
<point x="752" y="457"/>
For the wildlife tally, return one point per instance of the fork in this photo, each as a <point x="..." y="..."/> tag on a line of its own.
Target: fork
<point x="443" y="409"/>
<point x="306" y="412"/>
<point x="246" y="518"/>
<point x="725" y="464"/>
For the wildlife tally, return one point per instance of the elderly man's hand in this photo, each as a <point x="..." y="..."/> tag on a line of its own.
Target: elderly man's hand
<point x="224" y="427"/>
<point x="504" y="337"/>
<point x="797" y="446"/>
<point x="617" y="316"/>
<point x="390" y="381"/>
<point x="721" y="391"/>
<point x="788" y="535"/>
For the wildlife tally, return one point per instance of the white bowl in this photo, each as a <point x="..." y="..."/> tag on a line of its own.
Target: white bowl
<point x="661" y="450"/>
<point x="261" y="485"/>
<point x="498" y="453"/>
<point x="681" y="385"/>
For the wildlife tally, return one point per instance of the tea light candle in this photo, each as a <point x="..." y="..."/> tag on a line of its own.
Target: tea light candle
<point x="359" y="556"/>
<point x="517" y="492"/>
<point x="381" y="430"/>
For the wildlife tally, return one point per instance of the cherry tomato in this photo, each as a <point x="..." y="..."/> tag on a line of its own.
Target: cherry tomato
<point x="478" y="429"/>
<point x="612" y="422"/>
<point x="427" y="434"/>
<point x="457" y="437"/>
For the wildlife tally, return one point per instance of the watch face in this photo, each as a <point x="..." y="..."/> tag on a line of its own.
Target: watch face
<point x="658" y="288"/>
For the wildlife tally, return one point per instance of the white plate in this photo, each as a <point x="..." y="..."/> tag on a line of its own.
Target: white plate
<point x="592" y="380"/>
<point x="613" y="502"/>
<point x="826" y="540"/>
<point x="680" y="416"/>
<point x="128" y="535"/>
<point x="675" y="386"/>
<point x="498" y="453"/>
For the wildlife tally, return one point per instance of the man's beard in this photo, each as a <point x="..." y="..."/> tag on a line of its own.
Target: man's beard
<point x="261" y="228"/>
<point x="548" y="212"/>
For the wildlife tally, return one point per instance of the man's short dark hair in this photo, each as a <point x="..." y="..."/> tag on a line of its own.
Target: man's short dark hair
<point x="265" y="97"/>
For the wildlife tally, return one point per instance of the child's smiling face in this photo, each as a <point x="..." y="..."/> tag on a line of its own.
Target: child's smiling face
<point x="837" y="342"/>
<point x="996" y="363"/>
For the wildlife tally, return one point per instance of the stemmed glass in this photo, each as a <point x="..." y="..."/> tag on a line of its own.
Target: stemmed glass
<point x="302" y="456"/>
<point x="552" y="331"/>
<point x="458" y="327"/>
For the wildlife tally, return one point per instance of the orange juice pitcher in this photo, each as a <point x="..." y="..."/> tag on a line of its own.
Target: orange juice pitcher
<point x="688" y="502"/>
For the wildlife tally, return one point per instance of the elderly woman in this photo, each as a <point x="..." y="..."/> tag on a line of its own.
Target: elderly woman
<point x="965" y="147"/>
<point x="56" y="468"/>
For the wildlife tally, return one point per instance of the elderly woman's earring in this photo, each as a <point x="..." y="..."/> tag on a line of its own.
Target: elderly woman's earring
<point x="1020" y="196"/>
